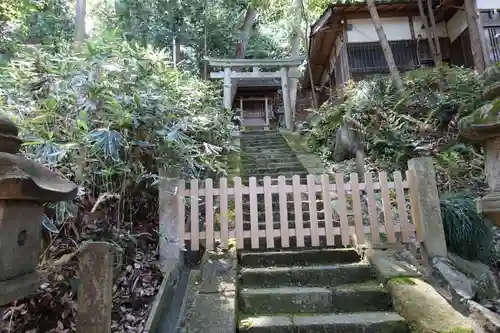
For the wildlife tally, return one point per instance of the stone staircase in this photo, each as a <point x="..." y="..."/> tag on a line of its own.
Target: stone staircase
<point x="266" y="153"/>
<point x="313" y="291"/>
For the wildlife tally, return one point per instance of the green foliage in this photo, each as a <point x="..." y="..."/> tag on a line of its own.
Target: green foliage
<point x="108" y="115"/>
<point x="52" y="23"/>
<point x="397" y="128"/>
<point x="467" y="233"/>
<point x="47" y="22"/>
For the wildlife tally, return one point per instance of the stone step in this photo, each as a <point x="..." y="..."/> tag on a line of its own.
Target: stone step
<point x="288" y="175"/>
<point x="264" y="145"/>
<point x="273" y="166"/>
<point x="275" y="156"/>
<point x="266" y="148"/>
<point x="259" y="133"/>
<point x="316" y="275"/>
<point x="361" y="297"/>
<point x="369" y="296"/>
<point x="366" y="322"/>
<point x="301" y="258"/>
<point x="285" y="300"/>
<point x="261" y="169"/>
<point x="264" y="139"/>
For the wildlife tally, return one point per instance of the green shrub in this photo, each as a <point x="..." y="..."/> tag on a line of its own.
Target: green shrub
<point x="467" y="233"/>
<point x="109" y="114"/>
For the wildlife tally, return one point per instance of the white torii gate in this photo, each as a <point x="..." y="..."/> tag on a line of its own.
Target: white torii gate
<point x="287" y="70"/>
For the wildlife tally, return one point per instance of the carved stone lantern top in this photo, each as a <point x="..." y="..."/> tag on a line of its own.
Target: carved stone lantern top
<point x="483" y="126"/>
<point x="23" y="179"/>
<point x="484" y="123"/>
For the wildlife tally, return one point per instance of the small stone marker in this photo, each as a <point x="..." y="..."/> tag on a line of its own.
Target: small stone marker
<point x="95" y="301"/>
<point x="427" y="211"/>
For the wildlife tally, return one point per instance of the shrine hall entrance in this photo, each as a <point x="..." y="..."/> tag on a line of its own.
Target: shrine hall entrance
<point x="254" y="111"/>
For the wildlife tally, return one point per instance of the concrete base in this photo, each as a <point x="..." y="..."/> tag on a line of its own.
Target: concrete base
<point x="171" y="270"/>
<point x="214" y="308"/>
<point x="19" y="287"/>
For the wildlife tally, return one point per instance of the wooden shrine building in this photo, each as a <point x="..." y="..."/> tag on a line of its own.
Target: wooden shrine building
<point x="251" y="86"/>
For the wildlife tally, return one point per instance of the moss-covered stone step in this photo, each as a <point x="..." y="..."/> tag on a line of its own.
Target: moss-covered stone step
<point x="299" y="257"/>
<point x="366" y="322"/>
<point x="285" y="300"/>
<point x="275" y="171"/>
<point x="249" y="157"/>
<point x="268" y="150"/>
<point x="331" y="275"/>
<point x="283" y="156"/>
<point x="368" y="296"/>
<point x="288" y="175"/>
<point x="269" y="167"/>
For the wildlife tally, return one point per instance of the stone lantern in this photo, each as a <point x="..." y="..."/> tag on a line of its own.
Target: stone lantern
<point x="483" y="127"/>
<point x="24" y="188"/>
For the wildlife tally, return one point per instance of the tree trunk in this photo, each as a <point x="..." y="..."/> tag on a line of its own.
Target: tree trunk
<point x="245" y="32"/>
<point x="432" y="46"/>
<point x="386" y="48"/>
<point x="439" y="55"/>
<point x="80" y="21"/>
<point x="295" y="53"/>
<point x="475" y="36"/>
<point x="433" y="43"/>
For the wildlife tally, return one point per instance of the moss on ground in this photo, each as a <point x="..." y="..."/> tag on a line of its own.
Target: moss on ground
<point x="424" y="309"/>
<point x="403" y="280"/>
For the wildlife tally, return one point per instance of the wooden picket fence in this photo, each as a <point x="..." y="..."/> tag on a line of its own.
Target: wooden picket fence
<point x="208" y="214"/>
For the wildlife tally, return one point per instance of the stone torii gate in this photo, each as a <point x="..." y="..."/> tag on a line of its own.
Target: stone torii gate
<point x="233" y="72"/>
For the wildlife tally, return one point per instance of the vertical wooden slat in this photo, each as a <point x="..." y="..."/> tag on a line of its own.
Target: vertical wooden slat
<point x="195" y="219"/>
<point x="268" y="203"/>
<point x="413" y="204"/>
<point x="386" y="204"/>
<point x="372" y="209"/>
<point x="254" y="217"/>
<point x="342" y="208"/>
<point x="402" y="214"/>
<point x="238" y="212"/>
<point x="327" y="205"/>
<point x="181" y="210"/>
<point x="209" y="214"/>
<point x="297" y="205"/>
<point x="285" y="238"/>
<point x="356" y="208"/>
<point x="224" y="223"/>
<point x="313" y="209"/>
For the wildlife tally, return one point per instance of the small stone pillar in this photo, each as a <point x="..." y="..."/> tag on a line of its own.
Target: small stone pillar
<point x="425" y="207"/>
<point x="483" y="127"/>
<point x="24" y="188"/>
